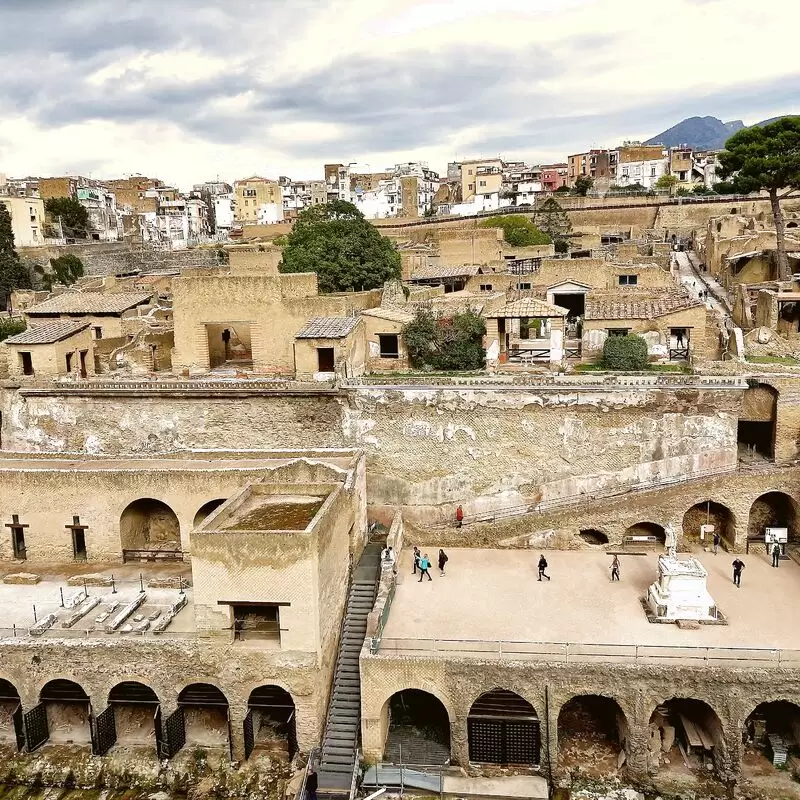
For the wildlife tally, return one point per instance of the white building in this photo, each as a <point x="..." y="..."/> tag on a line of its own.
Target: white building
<point x="105" y="224"/>
<point x="269" y="214"/>
<point x="27" y="220"/>
<point x="223" y="210"/>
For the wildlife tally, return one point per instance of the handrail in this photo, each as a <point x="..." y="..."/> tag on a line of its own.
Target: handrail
<point x="382" y="620"/>
<point x="576" y="652"/>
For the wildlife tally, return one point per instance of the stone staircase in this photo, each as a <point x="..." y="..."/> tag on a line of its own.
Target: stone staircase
<point x="340" y="742"/>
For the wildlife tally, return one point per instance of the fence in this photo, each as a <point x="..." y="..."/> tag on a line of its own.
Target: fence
<point x="572" y="653"/>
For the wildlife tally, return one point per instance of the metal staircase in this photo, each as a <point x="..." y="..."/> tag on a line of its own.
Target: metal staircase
<point x="340" y="743"/>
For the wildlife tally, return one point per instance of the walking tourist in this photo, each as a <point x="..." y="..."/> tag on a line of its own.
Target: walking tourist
<point x="716" y="542"/>
<point x="776" y="554"/>
<point x="424" y="566"/>
<point x="311" y="785"/>
<point x="738" y="566"/>
<point x="615" y="569"/>
<point x="443" y="559"/>
<point x="416" y="560"/>
<point x="459" y="517"/>
<point x="543" y="567"/>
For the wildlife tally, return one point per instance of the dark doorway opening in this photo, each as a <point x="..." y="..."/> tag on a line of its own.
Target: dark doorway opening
<point x="136" y="718"/>
<point x="645" y="533"/>
<point x="688" y="732"/>
<point x="756" y="435"/>
<point x="389" y="345"/>
<point x="270" y="726"/>
<point x="418" y="729"/>
<point x="773" y="510"/>
<point x="68" y="712"/>
<point x="503" y="728"/>
<point x="709" y="513"/>
<point x="592" y="536"/>
<point x="82" y="354"/>
<point x="769" y="734"/>
<point x="592" y="730"/>
<point x="27" y="363"/>
<point x="205" y="715"/>
<point x="79" y="545"/>
<point x="574" y="303"/>
<point x="325" y="359"/>
<point x="17" y="529"/>
<point x="756" y="438"/>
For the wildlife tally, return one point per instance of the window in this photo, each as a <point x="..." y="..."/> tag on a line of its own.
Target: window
<point x="256" y="621"/>
<point x="524" y="286"/>
<point x="472" y="187"/>
<point x="485" y="287"/>
<point x="27" y="363"/>
<point x="652" y="172"/>
<point x="627" y="280"/>
<point x="389" y="345"/>
<point x="469" y="172"/>
<point x="618" y="331"/>
<point x="98" y="332"/>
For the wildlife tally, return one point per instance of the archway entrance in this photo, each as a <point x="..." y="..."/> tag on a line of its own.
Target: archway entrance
<point x="271" y="723"/>
<point x="685" y="736"/>
<point x="593" y="536"/>
<point x="206" y="510"/>
<point x="203" y="712"/>
<point x="709" y="513"/>
<point x="135" y="717"/>
<point x="756" y="427"/>
<point x="645" y="533"/>
<point x="503" y="728"/>
<point x="770" y="733"/>
<point x="12" y="729"/>
<point x="148" y="525"/>
<point x="63" y="716"/>
<point x="418" y="728"/>
<point x="773" y="510"/>
<point x="592" y="732"/>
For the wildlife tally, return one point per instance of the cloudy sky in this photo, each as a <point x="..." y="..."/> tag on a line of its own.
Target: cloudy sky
<point x="187" y="90"/>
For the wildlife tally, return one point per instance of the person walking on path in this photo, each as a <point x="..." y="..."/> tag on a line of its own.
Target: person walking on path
<point x="424" y="566"/>
<point x="443" y="559"/>
<point x="776" y="554"/>
<point x="416" y="560"/>
<point x="738" y="566"/>
<point x="543" y="567"/>
<point x="459" y="517"/>
<point x="716" y="542"/>
<point x="615" y="569"/>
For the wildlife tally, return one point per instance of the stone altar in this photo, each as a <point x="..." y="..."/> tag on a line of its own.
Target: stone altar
<point x="680" y="591"/>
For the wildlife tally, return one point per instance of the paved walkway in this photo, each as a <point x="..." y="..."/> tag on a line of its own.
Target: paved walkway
<point x="695" y="280"/>
<point x="490" y="595"/>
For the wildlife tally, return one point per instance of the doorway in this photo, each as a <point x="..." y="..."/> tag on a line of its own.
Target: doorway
<point x="79" y="545"/>
<point x="575" y="303"/>
<point x="325" y="359"/>
<point x="82" y="355"/>
<point x="69" y="362"/>
<point x="18" y="543"/>
<point x="27" y="363"/>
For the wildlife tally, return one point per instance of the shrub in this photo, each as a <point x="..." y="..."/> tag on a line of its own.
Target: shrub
<point x="11" y="327"/>
<point x="435" y="343"/>
<point x="517" y="230"/>
<point x="625" y="352"/>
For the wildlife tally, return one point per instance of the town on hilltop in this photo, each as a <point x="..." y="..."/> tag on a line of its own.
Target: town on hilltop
<point x="484" y="484"/>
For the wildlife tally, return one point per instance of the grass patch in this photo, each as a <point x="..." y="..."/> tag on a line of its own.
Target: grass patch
<point x="788" y="360"/>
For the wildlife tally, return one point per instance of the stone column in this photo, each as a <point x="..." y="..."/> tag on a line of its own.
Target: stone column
<point x="459" y="742"/>
<point x="557" y="342"/>
<point x="637" y="750"/>
<point x="236" y="714"/>
<point x="373" y="737"/>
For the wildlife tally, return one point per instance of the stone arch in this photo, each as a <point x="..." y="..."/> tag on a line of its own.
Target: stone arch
<point x="273" y="720"/>
<point x="206" y="510"/>
<point x="773" y="509"/>
<point x="205" y="713"/>
<point x="592" y="730"/>
<point x="67" y="707"/>
<point x="593" y="536"/>
<point x="135" y="705"/>
<point x="503" y="728"/>
<point x="417" y="727"/>
<point x="9" y="702"/>
<point x="149" y="524"/>
<point x="693" y="723"/>
<point x="713" y="513"/>
<point x="647" y="529"/>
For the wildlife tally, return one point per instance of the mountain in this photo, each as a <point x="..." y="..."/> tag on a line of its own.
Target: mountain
<point x="703" y="133"/>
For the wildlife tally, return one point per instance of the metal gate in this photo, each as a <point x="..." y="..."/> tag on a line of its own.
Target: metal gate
<point x="249" y="736"/>
<point x="104" y="732"/>
<point x="19" y="727"/>
<point x="161" y="742"/>
<point x="504" y="741"/>
<point x="175" y="730"/>
<point x="37" y="731"/>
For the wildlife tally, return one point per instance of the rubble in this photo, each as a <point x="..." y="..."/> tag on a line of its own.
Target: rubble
<point x="22" y="578"/>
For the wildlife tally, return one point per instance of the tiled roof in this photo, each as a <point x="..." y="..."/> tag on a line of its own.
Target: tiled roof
<point x="527" y="307"/>
<point x="638" y="309"/>
<point x="90" y="303"/>
<point x="48" y="332"/>
<point x="432" y="272"/>
<point x="327" y="328"/>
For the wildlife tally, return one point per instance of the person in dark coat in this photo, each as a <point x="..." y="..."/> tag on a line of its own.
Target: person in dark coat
<point x="543" y="567"/>
<point x="443" y="559"/>
<point x="417" y="556"/>
<point x="738" y="566"/>
<point x="311" y="785"/>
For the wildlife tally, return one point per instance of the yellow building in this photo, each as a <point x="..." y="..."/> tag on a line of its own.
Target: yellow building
<point x="258" y="200"/>
<point x="57" y="348"/>
<point x="27" y="220"/>
<point x="481" y="176"/>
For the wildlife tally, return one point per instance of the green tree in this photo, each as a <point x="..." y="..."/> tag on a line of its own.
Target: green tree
<point x="342" y="247"/>
<point x="625" y="352"/>
<point x="438" y="343"/>
<point x="683" y="191"/>
<point x="518" y="230"/>
<point x="11" y="327"/>
<point x="72" y="216"/>
<point x="766" y="159"/>
<point x="562" y="190"/>
<point x="582" y="185"/>
<point x="724" y="187"/>
<point x="13" y="274"/>
<point x="667" y="182"/>
<point x="66" y="270"/>
<point x="553" y="220"/>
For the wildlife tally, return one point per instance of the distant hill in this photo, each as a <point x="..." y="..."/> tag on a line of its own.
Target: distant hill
<point x="702" y="133"/>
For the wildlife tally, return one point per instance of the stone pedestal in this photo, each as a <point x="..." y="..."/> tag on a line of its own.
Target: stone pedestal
<point x="680" y="591"/>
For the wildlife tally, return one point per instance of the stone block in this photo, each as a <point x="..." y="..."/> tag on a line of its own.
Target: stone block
<point x="90" y="580"/>
<point x="22" y="578"/>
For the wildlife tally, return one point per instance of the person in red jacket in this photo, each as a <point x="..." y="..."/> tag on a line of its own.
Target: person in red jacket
<point x="459" y="516"/>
